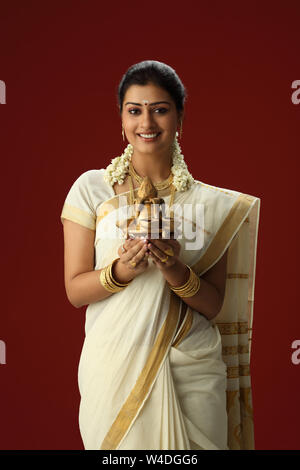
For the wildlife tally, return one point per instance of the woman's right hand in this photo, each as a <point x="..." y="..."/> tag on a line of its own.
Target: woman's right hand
<point x="133" y="261"/>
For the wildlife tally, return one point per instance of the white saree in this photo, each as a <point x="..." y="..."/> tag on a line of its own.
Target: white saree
<point x="153" y="373"/>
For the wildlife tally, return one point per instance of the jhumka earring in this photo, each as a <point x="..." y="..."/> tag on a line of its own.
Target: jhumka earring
<point x="123" y="135"/>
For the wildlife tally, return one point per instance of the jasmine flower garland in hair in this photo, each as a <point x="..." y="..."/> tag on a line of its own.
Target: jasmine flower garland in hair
<point x="117" y="171"/>
<point x="182" y="178"/>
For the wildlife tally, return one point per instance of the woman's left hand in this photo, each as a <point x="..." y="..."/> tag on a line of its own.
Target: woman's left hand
<point x="164" y="253"/>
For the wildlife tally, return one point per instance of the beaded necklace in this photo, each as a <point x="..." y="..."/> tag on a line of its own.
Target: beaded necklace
<point x="159" y="186"/>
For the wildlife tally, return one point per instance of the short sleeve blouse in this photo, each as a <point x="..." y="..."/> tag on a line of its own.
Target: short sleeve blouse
<point x="85" y="196"/>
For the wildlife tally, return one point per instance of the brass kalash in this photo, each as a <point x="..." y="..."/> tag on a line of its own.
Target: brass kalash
<point x="149" y="219"/>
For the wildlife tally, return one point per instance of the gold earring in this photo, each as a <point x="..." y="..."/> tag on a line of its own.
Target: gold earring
<point x="123" y="133"/>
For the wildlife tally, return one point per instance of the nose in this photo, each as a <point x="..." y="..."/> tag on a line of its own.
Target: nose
<point x="147" y="121"/>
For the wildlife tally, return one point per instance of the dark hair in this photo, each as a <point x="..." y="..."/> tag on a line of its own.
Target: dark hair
<point x="158" y="73"/>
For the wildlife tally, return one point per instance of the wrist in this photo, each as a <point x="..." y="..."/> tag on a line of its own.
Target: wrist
<point x="189" y="288"/>
<point x="177" y="274"/>
<point x="121" y="273"/>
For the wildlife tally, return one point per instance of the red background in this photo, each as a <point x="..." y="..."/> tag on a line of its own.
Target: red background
<point x="61" y="62"/>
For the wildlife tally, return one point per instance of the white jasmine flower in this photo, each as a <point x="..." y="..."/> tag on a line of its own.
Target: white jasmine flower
<point x="117" y="170"/>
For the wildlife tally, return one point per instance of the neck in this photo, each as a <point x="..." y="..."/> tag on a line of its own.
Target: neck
<point x="156" y="166"/>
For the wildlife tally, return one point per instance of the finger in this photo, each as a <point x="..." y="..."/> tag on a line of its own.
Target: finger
<point x="157" y="252"/>
<point x="139" y="257"/>
<point x="156" y="260"/>
<point x="130" y="242"/>
<point x="164" y="247"/>
<point x="141" y="254"/>
<point x="133" y="250"/>
<point x="173" y="242"/>
<point x="169" y="242"/>
<point x="120" y="252"/>
<point x="175" y="246"/>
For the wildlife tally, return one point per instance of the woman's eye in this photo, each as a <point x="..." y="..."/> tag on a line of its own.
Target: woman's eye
<point x="161" y="110"/>
<point x="135" y="111"/>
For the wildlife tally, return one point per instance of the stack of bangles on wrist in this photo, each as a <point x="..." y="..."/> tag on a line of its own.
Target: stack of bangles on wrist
<point x="190" y="288"/>
<point x="107" y="280"/>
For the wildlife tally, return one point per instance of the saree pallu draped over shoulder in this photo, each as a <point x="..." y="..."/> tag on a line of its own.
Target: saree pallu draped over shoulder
<point x="154" y="373"/>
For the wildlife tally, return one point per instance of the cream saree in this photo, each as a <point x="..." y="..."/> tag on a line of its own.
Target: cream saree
<point x="153" y="373"/>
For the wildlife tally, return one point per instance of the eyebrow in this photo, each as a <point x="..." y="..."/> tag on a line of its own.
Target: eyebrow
<point x="150" y="104"/>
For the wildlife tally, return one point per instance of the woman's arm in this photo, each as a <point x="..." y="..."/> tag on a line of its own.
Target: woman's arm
<point x="210" y="296"/>
<point x="209" y="299"/>
<point x="82" y="282"/>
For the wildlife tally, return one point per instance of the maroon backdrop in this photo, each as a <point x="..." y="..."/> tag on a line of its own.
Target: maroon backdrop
<point x="61" y="63"/>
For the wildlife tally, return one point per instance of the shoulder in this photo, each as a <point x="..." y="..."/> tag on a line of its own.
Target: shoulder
<point x="209" y="188"/>
<point x="217" y="201"/>
<point x="220" y="192"/>
<point x="93" y="182"/>
<point x="90" y="190"/>
<point x="90" y="177"/>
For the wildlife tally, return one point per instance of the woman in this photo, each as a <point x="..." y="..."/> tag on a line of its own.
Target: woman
<point x="165" y="361"/>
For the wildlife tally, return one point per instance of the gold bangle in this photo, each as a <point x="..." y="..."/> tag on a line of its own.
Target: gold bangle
<point x="107" y="280"/>
<point x="190" y="288"/>
<point x="113" y="279"/>
<point x="104" y="280"/>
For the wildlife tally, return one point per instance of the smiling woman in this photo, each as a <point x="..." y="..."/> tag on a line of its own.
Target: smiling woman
<point x="150" y="123"/>
<point x="165" y="361"/>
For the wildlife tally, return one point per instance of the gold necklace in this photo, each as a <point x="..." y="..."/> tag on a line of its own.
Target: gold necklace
<point x="159" y="186"/>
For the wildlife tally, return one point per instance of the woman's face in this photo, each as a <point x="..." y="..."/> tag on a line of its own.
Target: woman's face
<point x="149" y="110"/>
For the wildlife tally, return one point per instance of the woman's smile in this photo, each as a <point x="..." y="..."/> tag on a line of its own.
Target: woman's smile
<point x="150" y="137"/>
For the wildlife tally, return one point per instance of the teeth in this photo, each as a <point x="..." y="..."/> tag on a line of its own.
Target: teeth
<point x="148" y="136"/>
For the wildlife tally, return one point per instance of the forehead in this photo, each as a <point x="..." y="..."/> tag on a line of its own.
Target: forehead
<point x="148" y="92"/>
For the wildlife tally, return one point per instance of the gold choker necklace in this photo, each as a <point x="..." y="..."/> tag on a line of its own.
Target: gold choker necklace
<point x="159" y="186"/>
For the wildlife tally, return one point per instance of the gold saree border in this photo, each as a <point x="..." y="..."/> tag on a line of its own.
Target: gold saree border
<point x="235" y="350"/>
<point x="107" y="207"/>
<point x="78" y="216"/>
<point x="145" y="380"/>
<point x="233" y="328"/>
<point x="232" y="222"/>
<point x="235" y="372"/>
<point x="185" y="328"/>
